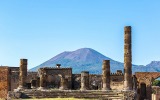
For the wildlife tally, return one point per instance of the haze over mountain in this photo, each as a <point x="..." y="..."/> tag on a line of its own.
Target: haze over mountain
<point x="87" y="59"/>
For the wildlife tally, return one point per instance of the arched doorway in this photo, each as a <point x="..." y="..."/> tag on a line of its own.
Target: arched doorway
<point x="143" y="91"/>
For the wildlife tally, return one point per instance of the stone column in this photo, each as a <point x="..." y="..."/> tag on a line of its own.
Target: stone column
<point x="127" y="58"/>
<point x="63" y="84"/>
<point x="84" y="80"/>
<point x="42" y="78"/>
<point x="22" y="73"/>
<point x="106" y="75"/>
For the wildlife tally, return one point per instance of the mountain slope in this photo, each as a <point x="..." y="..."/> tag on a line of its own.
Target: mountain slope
<point x="87" y="59"/>
<point x="80" y="60"/>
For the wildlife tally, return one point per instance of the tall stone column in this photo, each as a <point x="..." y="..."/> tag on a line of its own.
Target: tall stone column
<point x="22" y="73"/>
<point x="106" y="75"/>
<point x="84" y="80"/>
<point x="127" y="58"/>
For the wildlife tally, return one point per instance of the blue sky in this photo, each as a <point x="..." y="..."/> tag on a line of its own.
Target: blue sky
<point x="40" y="29"/>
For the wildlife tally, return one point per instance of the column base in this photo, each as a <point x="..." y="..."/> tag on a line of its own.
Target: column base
<point x="106" y="89"/>
<point x="63" y="88"/>
<point x="33" y="87"/>
<point x="41" y="88"/>
<point x="84" y="89"/>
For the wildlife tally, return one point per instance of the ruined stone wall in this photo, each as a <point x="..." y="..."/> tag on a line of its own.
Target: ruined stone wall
<point x="53" y="76"/>
<point x="145" y="80"/>
<point x="95" y="81"/>
<point x="76" y="81"/>
<point x="14" y="78"/>
<point x="116" y="81"/>
<point x="4" y="81"/>
<point x="31" y="76"/>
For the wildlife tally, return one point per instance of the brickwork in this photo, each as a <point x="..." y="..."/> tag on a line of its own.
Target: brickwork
<point x="146" y="78"/>
<point x="117" y="81"/>
<point x="4" y="81"/>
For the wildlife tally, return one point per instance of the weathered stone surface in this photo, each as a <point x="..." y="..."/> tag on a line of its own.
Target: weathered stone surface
<point x="23" y="73"/>
<point x="127" y="58"/>
<point x="33" y="84"/>
<point x="84" y="80"/>
<point x="64" y="85"/>
<point x="53" y="77"/>
<point x="14" y="95"/>
<point x="42" y="75"/>
<point x="98" y="95"/>
<point x="4" y="81"/>
<point x="106" y="75"/>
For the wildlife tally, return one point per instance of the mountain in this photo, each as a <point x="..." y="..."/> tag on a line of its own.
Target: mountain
<point x="87" y="59"/>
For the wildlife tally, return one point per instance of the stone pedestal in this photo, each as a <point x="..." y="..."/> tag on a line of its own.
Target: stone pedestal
<point x="127" y="58"/>
<point x="84" y="80"/>
<point x="22" y="73"/>
<point x="106" y="75"/>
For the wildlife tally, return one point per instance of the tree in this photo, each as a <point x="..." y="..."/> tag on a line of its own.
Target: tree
<point x="156" y="83"/>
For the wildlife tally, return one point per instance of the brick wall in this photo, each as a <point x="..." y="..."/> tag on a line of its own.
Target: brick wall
<point x="4" y="81"/>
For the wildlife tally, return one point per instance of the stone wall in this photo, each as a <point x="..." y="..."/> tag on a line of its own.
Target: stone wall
<point x="117" y="81"/>
<point x="4" y="81"/>
<point x="95" y="81"/>
<point x="53" y="76"/>
<point x="14" y="78"/>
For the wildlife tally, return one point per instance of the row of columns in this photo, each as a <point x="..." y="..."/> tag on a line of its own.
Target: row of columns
<point x="85" y="74"/>
<point x="84" y="77"/>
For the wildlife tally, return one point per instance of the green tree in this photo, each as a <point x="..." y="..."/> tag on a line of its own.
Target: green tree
<point x="156" y="83"/>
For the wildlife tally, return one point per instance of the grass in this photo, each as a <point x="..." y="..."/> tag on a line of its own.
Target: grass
<point x="59" y="99"/>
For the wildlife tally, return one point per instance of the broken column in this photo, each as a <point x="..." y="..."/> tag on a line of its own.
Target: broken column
<point x="22" y="73"/>
<point x="42" y="78"/>
<point x="63" y="84"/>
<point x="127" y="58"/>
<point x="84" y="80"/>
<point x="106" y="75"/>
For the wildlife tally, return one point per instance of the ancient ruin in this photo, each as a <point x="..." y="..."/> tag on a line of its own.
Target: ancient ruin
<point x="61" y="82"/>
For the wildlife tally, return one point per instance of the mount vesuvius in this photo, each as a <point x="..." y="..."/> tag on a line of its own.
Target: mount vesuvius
<point x="87" y="59"/>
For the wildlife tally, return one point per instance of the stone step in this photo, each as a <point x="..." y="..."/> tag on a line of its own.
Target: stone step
<point x="74" y="94"/>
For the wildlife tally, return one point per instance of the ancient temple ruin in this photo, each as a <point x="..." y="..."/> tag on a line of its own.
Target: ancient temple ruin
<point x="62" y="82"/>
